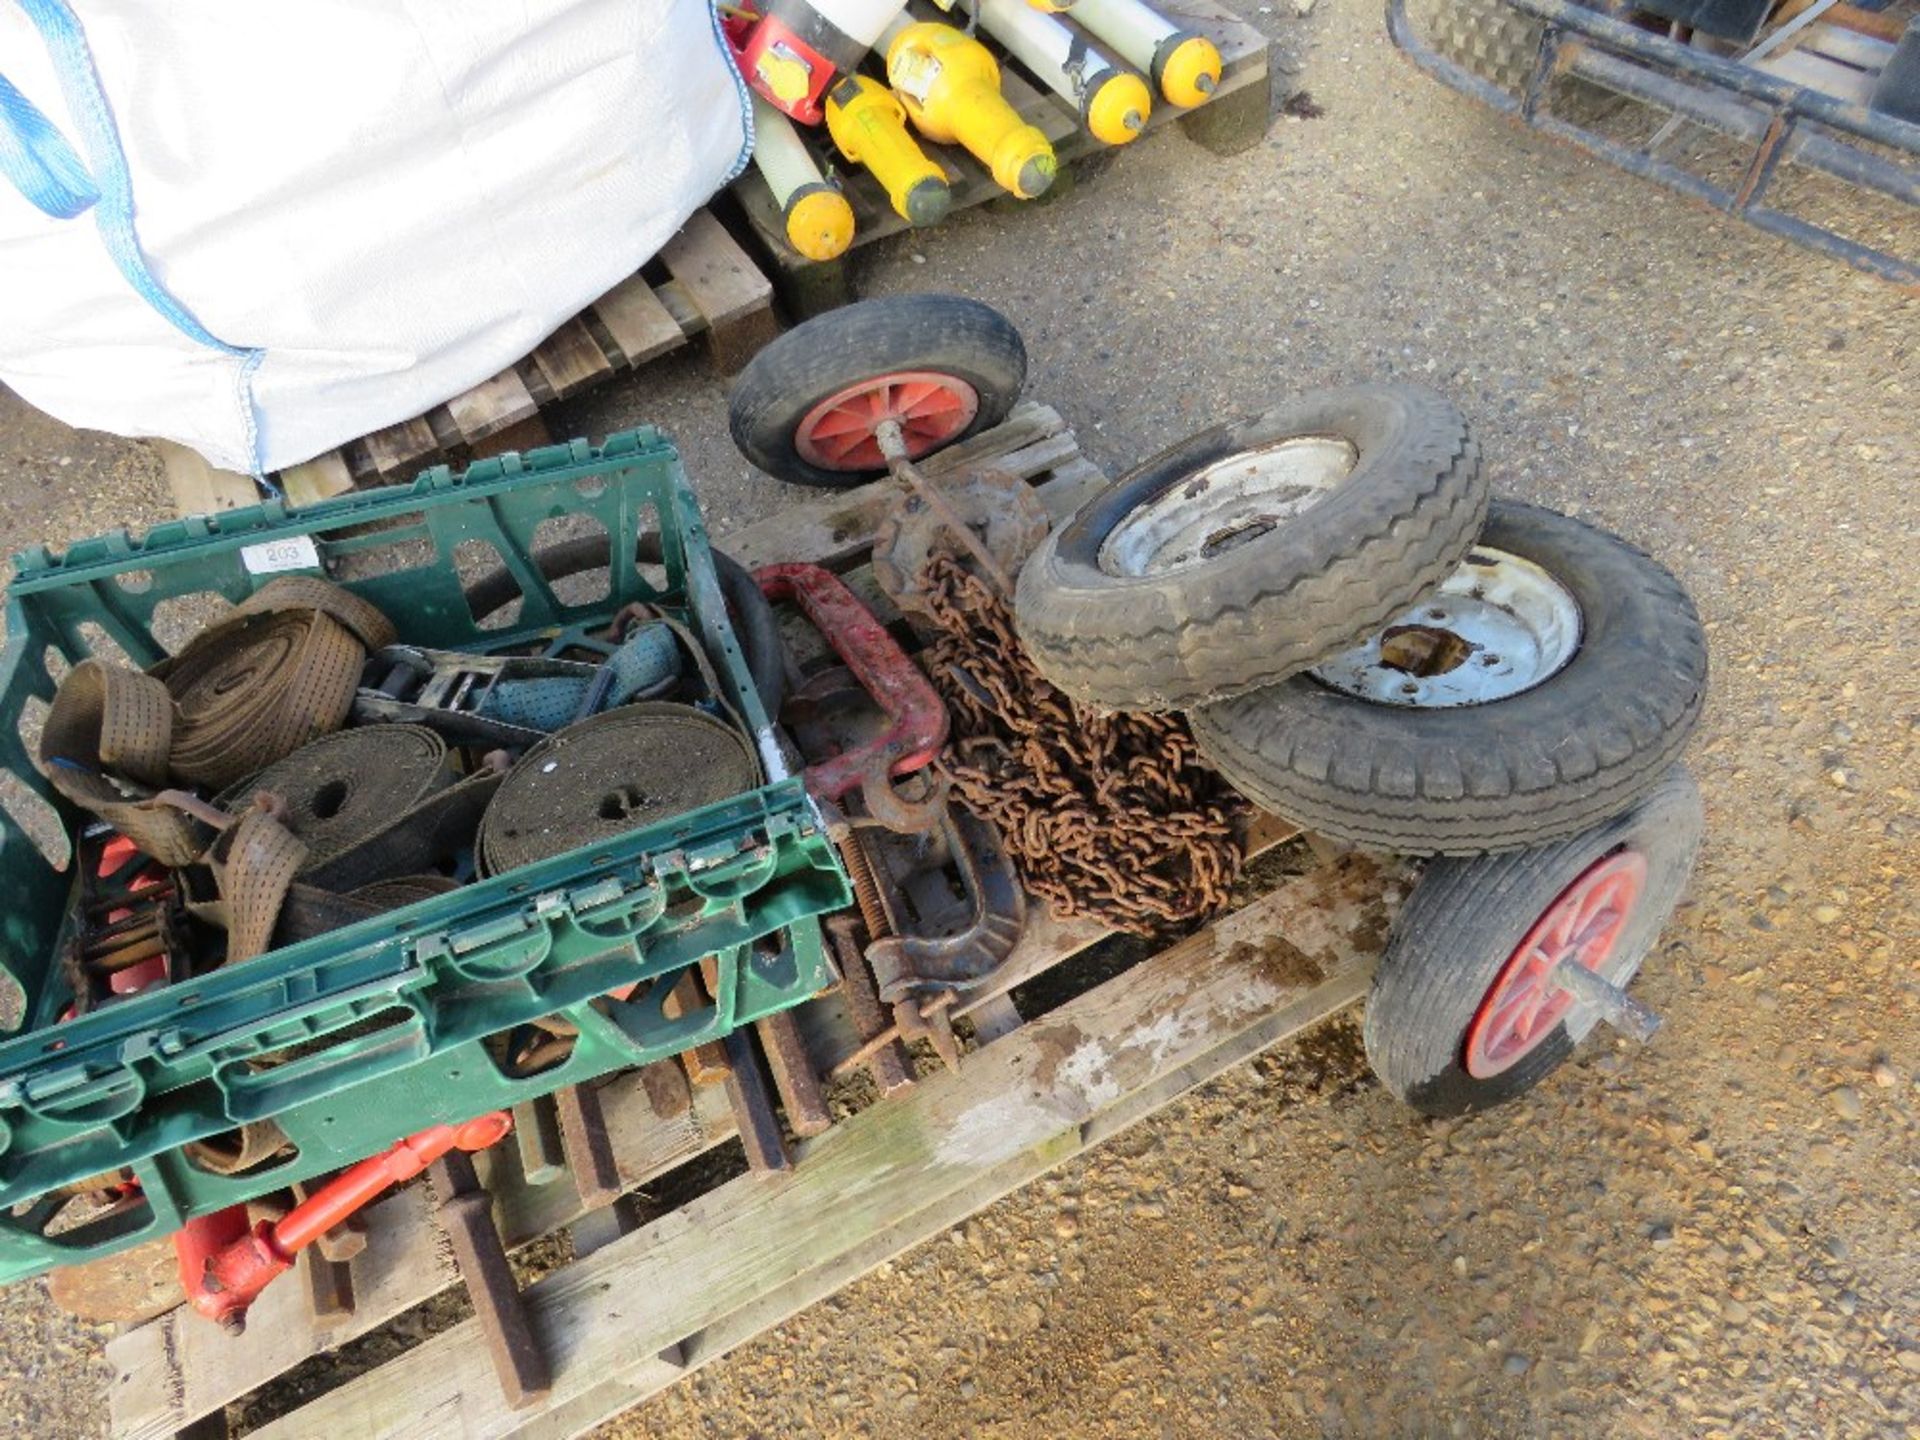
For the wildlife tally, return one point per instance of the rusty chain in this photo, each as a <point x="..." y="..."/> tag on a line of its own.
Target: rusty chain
<point x="1110" y="816"/>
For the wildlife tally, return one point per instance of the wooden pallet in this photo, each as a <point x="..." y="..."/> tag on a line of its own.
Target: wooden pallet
<point x="1235" y="119"/>
<point x="701" y="283"/>
<point x="635" y="1312"/>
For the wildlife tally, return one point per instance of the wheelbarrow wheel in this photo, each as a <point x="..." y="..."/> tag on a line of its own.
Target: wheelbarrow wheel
<point x="806" y="408"/>
<point x="1463" y="1015"/>
<point x="1547" y="685"/>
<point x="1251" y="550"/>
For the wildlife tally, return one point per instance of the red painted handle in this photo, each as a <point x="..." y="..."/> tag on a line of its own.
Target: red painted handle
<point x="358" y="1185"/>
<point x="224" y="1265"/>
<point x="919" y="719"/>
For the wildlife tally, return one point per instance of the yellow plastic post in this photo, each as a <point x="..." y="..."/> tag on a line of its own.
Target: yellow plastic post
<point x="950" y="85"/>
<point x="869" y="126"/>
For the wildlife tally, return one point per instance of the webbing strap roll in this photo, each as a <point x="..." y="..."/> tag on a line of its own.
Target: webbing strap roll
<point x="105" y="722"/>
<point x="620" y="771"/>
<point x="278" y="672"/>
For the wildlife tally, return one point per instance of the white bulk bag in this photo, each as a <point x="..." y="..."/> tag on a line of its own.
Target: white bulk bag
<point x="324" y="217"/>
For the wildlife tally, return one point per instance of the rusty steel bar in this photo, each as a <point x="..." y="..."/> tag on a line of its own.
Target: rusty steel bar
<point x="329" y="1288"/>
<point x="794" y="1075"/>
<point x="705" y="1064"/>
<point x="536" y="1130"/>
<point x="669" y="1093"/>
<point x="752" y="1108"/>
<point x="885" y="1059"/>
<point x="583" y="1133"/>
<point x="465" y="1214"/>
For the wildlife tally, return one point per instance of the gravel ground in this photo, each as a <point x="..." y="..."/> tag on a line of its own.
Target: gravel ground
<point x="1711" y="1237"/>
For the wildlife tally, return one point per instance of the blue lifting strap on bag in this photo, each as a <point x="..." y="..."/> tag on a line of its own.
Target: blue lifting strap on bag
<point x="43" y="166"/>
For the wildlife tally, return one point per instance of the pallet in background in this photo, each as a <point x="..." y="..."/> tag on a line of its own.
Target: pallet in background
<point x="701" y="283"/>
<point x="739" y="1259"/>
<point x="1235" y="119"/>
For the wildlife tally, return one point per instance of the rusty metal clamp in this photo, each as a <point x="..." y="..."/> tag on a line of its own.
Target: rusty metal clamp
<point x="942" y="940"/>
<point x="917" y="720"/>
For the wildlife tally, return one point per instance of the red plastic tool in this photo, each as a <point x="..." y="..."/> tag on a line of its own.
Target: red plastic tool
<point x="777" y="60"/>
<point x="225" y="1264"/>
<point x="918" y="719"/>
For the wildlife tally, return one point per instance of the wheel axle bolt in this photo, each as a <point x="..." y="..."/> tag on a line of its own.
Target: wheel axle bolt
<point x="1635" y="1020"/>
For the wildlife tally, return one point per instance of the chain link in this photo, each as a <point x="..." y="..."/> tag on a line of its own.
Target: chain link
<point x="1110" y="816"/>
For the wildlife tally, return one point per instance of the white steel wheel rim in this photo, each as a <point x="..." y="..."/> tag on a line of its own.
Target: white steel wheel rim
<point x="1499" y="626"/>
<point x="1223" y="506"/>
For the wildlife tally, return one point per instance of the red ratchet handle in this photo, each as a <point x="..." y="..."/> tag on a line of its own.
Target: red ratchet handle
<point x="918" y="720"/>
<point x="224" y="1265"/>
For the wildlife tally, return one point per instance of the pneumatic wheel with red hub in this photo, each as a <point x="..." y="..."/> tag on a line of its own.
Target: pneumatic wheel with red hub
<point x="1466" y="1011"/>
<point x="808" y="408"/>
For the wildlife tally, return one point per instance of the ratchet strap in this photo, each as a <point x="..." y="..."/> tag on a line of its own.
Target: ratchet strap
<point x="511" y="700"/>
<point x="253" y="864"/>
<point x="278" y="672"/>
<point x="644" y="664"/>
<point x="307" y="911"/>
<point x="105" y="746"/>
<point x="620" y="771"/>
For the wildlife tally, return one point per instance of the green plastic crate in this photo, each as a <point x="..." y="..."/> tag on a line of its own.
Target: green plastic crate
<point x="386" y="1018"/>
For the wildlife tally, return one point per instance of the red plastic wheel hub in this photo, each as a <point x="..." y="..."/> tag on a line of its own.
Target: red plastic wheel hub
<point x="1522" y="1006"/>
<point x="838" y="433"/>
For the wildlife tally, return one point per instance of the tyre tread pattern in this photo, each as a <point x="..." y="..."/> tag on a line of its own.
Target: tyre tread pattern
<point x="1526" y="789"/>
<point x="1224" y="641"/>
<point x="1460" y="923"/>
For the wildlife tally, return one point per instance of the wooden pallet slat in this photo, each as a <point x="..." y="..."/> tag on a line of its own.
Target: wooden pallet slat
<point x="637" y="322"/>
<point x="733" y="298"/>
<point x="401" y="447"/>
<point x="492" y="406"/>
<point x="723" y="283"/>
<point x="1014" y="1111"/>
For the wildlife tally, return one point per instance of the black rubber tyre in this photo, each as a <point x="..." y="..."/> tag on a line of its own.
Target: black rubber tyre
<point x="1312" y="583"/>
<point x="1580" y="746"/>
<point x="753" y="620"/>
<point x="942" y="334"/>
<point x="1464" y="920"/>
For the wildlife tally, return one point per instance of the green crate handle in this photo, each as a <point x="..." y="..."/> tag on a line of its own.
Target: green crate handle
<point x="505" y="950"/>
<point x="250" y="1094"/>
<point x="735" y="879"/>
<point x="99" y="1102"/>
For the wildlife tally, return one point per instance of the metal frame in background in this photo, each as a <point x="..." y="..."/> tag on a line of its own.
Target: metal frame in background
<point x="1781" y="120"/>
